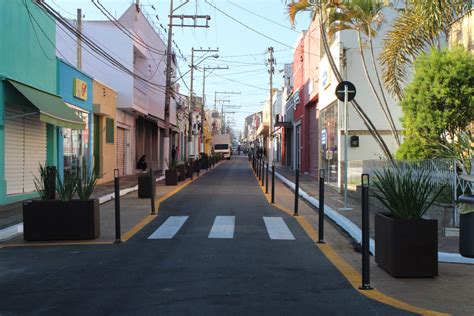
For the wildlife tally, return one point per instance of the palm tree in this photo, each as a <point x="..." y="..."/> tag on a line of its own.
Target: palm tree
<point x="421" y="24"/>
<point x="318" y="9"/>
<point x="364" y="16"/>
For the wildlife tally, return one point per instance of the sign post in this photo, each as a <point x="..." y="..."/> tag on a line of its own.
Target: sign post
<point x="345" y="91"/>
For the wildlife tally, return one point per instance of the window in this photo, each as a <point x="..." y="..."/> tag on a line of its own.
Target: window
<point x="221" y="146"/>
<point x="109" y="130"/>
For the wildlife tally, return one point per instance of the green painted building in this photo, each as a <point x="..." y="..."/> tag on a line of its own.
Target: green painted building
<point x="30" y="110"/>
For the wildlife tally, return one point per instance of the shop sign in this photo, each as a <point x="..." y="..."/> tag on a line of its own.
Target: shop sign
<point x="323" y="136"/>
<point x="326" y="78"/>
<point x="80" y="89"/>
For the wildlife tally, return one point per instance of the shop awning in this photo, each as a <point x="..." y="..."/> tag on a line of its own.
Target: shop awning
<point x="284" y="124"/>
<point x="51" y="107"/>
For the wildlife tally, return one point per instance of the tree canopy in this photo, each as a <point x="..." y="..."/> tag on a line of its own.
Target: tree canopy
<point x="439" y="102"/>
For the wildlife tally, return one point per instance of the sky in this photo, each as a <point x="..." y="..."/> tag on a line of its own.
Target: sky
<point x="242" y="30"/>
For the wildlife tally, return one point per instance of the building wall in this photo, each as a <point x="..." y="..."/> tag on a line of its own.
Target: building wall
<point x="27" y="57"/>
<point x="105" y="97"/>
<point x="347" y="56"/>
<point x="113" y="41"/>
<point x="462" y="32"/>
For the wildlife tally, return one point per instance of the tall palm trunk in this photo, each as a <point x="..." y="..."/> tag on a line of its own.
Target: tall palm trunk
<point x="371" y="84"/>
<point x="367" y="122"/>
<point x="382" y="91"/>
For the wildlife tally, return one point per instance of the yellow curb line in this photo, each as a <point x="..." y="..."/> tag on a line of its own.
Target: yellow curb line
<point x="126" y="236"/>
<point x="145" y="221"/>
<point x="345" y="268"/>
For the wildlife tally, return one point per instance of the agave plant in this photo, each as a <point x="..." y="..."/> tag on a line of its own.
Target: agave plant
<point x="67" y="187"/>
<point x="405" y="193"/>
<point x="45" y="184"/>
<point x="85" y="185"/>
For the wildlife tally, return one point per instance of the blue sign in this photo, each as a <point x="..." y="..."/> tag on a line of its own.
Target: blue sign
<point x="323" y="136"/>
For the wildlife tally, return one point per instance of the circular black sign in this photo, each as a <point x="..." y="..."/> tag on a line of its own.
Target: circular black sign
<point x="351" y="90"/>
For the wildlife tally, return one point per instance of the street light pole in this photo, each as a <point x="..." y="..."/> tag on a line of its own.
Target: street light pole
<point x="271" y="69"/>
<point x="204" y="100"/>
<point x="191" y="97"/>
<point x="166" y="139"/>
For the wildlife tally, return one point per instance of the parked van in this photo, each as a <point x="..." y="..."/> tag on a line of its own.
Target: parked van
<point x="222" y="144"/>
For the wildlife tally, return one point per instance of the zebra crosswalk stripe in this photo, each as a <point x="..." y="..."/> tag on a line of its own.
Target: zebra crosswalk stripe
<point x="277" y="228"/>
<point x="169" y="228"/>
<point x="223" y="227"/>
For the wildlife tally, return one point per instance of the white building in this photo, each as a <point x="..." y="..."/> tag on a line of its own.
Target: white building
<point x="140" y="103"/>
<point x="345" y="51"/>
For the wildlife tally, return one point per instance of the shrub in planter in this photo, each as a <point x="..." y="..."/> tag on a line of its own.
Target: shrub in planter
<point x="406" y="245"/>
<point x="66" y="219"/>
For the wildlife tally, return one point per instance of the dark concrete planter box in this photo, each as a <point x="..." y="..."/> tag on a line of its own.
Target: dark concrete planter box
<point x="181" y="173"/>
<point x="466" y="235"/>
<point x="189" y="171"/>
<point x="406" y="248"/>
<point x="61" y="220"/>
<point x="171" y="177"/>
<point x="146" y="185"/>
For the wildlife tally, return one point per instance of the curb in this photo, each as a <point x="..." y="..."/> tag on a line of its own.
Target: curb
<point x="355" y="232"/>
<point x="15" y="230"/>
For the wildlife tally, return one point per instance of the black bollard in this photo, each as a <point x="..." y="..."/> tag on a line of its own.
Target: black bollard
<point x="198" y="167"/>
<point x="273" y="183"/>
<point x="118" y="234"/>
<point x="365" y="234"/>
<point x="321" y="207"/>
<point x="266" y="179"/>
<point x="153" y="192"/>
<point x="258" y="169"/>
<point x="191" y="166"/>
<point x="297" y="190"/>
<point x="263" y="171"/>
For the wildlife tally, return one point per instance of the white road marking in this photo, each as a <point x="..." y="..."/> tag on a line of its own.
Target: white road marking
<point x="223" y="227"/>
<point x="169" y="228"/>
<point x="277" y="229"/>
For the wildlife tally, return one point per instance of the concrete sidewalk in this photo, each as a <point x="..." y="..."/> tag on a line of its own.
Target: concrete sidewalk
<point x="335" y="200"/>
<point x="133" y="210"/>
<point x="450" y="292"/>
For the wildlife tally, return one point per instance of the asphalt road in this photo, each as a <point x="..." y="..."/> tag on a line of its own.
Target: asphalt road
<point x="195" y="264"/>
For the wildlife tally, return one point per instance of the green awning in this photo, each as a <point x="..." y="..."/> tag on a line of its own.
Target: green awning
<point x="52" y="108"/>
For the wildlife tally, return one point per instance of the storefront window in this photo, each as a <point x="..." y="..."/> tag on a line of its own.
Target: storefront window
<point x="328" y="139"/>
<point x="76" y="145"/>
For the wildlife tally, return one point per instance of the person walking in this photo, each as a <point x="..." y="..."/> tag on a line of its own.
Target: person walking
<point x="173" y="154"/>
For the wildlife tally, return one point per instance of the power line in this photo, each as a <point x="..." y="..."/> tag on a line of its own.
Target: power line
<point x="124" y="29"/>
<point x="248" y="27"/>
<point x="97" y="49"/>
<point x="262" y="17"/>
<point x="239" y="82"/>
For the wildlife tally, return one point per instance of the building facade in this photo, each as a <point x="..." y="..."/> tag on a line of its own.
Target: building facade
<point x="344" y="49"/>
<point x="75" y="145"/>
<point x="140" y="97"/>
<point x="104" y="132"/>
<point x="30" y="109"/>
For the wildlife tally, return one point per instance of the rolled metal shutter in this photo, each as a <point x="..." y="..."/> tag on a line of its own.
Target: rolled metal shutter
<point x="313" y="142"/>
<point x="121" y="150"/>
<point x="14" y="149"/>
<point x="25" y="148"/>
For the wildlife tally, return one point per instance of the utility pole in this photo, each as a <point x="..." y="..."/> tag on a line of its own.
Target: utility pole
<point x="195" y="18"/>
<point x="78" y="40"/>
<point x="191" y="97"/>
<point x="222" y="106"/>
<point x="271" y="70"/>
<point x="204" y="100"/>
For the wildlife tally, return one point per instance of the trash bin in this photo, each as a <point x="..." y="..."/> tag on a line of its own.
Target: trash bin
<point x="466" y="225"/>
<point x="146" y="185"/>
